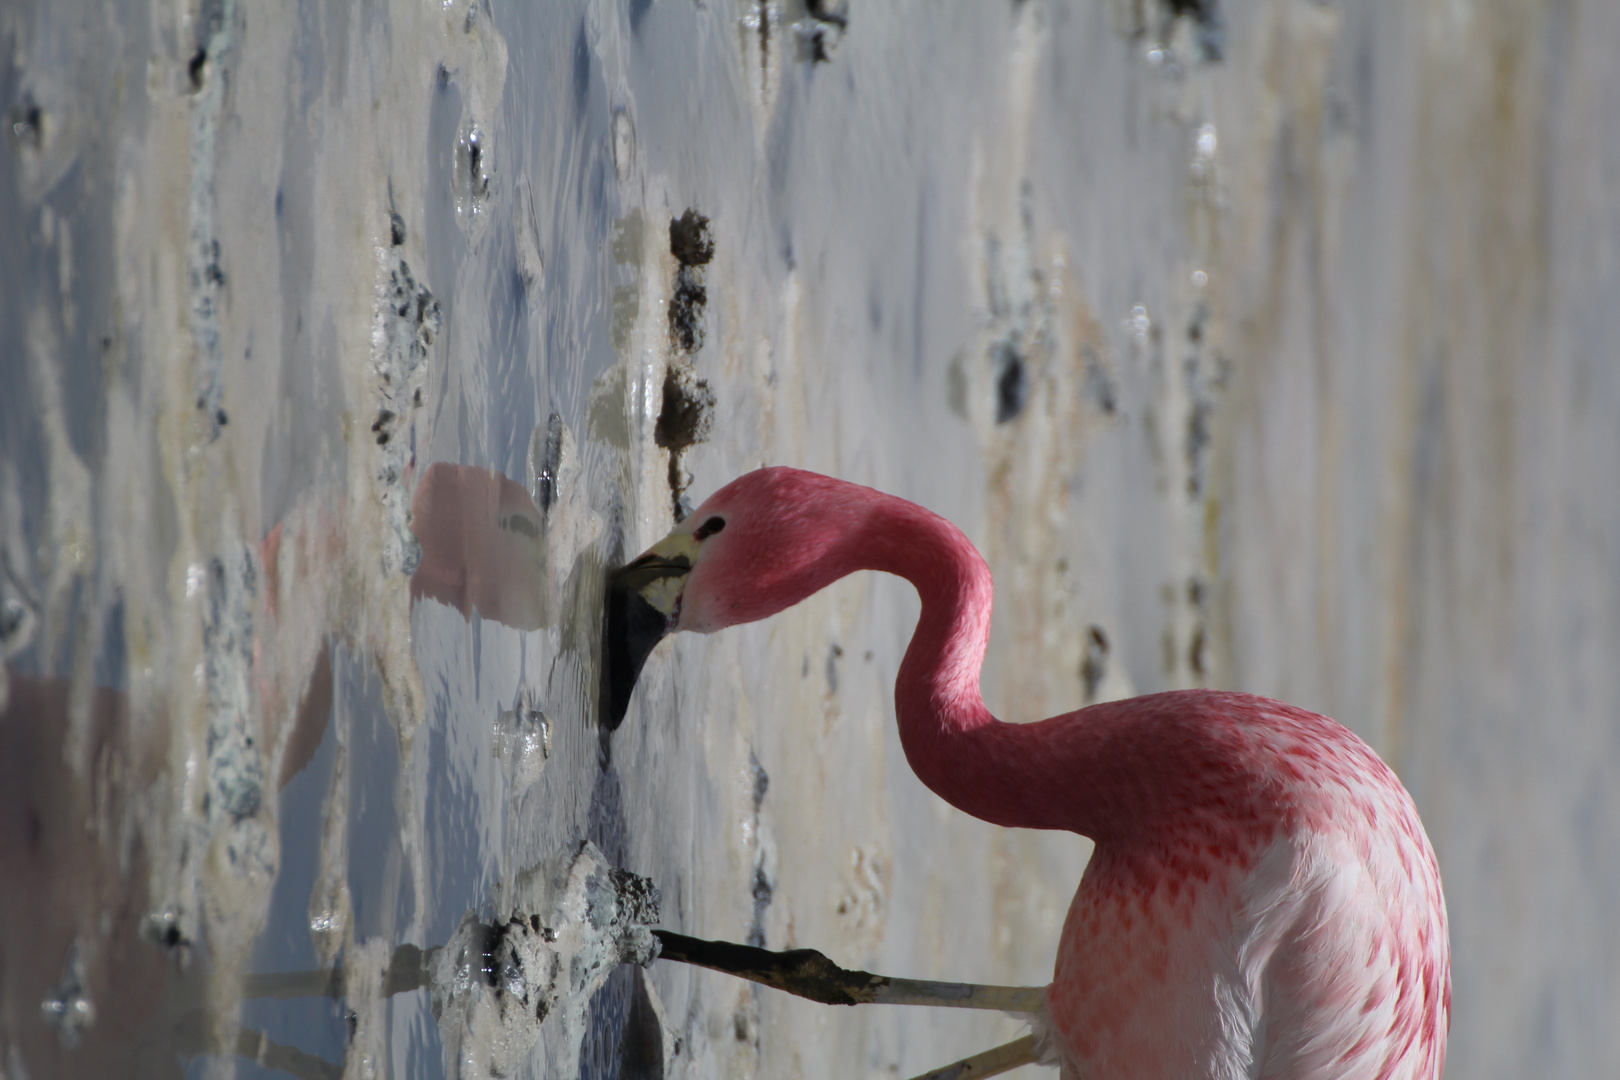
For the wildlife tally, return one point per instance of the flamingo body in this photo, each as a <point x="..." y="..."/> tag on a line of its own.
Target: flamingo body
<point x="1272" y="910"/>
<point x="1262" y="902"/>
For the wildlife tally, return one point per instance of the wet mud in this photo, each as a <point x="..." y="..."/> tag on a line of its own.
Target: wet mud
<point x="346" y="356"/>
<point x="691" y="241"/>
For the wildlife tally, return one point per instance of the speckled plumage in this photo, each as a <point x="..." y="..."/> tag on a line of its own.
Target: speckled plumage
<point x="1262" y="901"/>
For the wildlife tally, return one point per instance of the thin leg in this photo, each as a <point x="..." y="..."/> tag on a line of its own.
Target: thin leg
<point x="809" y="974"/>
<point x="990" y="1063"/>
<point x="283" y="1058"/>
<point x="407" y="971"/>
<point x="193" y="1033"/>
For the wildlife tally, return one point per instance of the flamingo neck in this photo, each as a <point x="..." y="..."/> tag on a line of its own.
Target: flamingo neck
<point x="939" y="677"/>
<point x="992" y="770"/>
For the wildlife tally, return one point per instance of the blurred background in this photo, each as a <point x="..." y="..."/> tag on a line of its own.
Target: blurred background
<point x="1264" y="345"/>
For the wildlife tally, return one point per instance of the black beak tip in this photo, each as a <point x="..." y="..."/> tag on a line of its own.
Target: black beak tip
<point x="634" y="627"/>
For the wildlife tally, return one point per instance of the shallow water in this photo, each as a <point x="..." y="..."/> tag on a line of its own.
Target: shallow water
<point x="346" y="348"/>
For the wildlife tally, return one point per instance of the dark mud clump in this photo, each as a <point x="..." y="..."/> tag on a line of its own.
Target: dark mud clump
<point x="824" y="26"/>
<point x="1211" y="27"/>
<point x="686" y="312"/>
<point x="691" y="241"/>
<point x="686" y="420"/>
<point x="688" y="413"/>
<point x="1012" y="382"/>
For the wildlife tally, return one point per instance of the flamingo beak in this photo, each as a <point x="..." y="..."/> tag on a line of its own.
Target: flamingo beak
<point x="643" y="606"/>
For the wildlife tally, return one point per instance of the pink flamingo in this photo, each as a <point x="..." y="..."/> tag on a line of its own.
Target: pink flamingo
<point x="1262" y="900"/>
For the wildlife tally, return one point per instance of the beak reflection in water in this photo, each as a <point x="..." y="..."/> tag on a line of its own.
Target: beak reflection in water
<point x="643" y="605"/>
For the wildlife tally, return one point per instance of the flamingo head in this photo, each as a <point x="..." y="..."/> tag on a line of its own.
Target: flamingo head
<point x="760" y="544"/>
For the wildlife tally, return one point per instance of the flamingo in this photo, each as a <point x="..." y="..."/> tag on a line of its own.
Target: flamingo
<point x="1262" y="900"/>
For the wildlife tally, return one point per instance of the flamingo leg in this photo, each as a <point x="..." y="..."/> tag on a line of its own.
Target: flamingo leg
<point x="806" y="973"/>
<point x="280" y="1057"/>
<point x="809" y="974"/>
<point x="407" y="971"/>
<point x="991" y="1062"/>
<point x="193" y="1033"/>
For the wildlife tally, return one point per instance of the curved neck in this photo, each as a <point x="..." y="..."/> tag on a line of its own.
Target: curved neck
<point x="938" y="684"/>
<point x="1003" y="773"/>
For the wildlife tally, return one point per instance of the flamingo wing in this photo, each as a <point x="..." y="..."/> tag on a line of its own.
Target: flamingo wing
<point x="1343" y="970"/>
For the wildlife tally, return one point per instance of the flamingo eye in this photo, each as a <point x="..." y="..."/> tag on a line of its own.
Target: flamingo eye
<point x="709" y="528"/>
